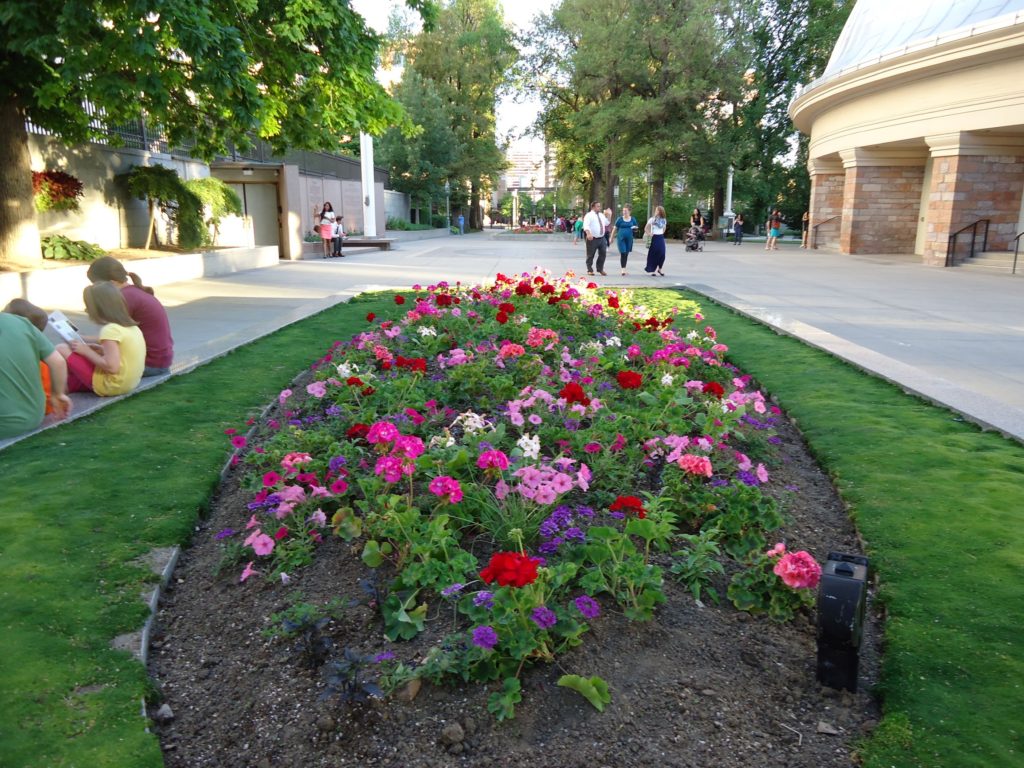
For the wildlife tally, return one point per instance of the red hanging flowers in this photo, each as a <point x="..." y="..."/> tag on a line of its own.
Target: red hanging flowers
<point x="511" y="569"/>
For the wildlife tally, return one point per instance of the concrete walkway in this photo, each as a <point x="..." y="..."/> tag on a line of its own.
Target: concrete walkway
<point x="951" y="336"/>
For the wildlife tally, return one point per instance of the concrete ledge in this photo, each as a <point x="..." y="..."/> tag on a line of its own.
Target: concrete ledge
<point x="413" y="235"/>
<point x="62" y="286"/>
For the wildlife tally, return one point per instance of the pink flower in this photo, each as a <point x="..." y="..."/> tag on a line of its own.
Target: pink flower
<point x="592" y="448"/>
<point x="390" y="467"/>
<point x="777" y="551"/>
<point x="318" y="518"/>
<point x="285" y="394"/>
<point x="382" y="432"/>
<point x="798" y="570"/>
<point x="338" y="487"/>
<point x="249" y="571"/>
<point x="511" y="350"/>
<point x="413" y="414"/>
<point x="762" y="473"/>
<point x="317" y="389"/>
<point x="409" y="446"/>
<point x="261" y="543"/>
<point x="492" y="460"/>
<point x="238" y="441"/>
<point x="447" y="489"/>
<point x="253" y="523"/>
<point x="619" y="444"/>
<point x="695" y="465"/>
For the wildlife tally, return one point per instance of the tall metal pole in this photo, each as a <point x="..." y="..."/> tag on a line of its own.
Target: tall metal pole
<point x="447" y="205"/>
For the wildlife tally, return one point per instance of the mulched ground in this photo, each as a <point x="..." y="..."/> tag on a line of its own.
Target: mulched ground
<point x="699" y="686"/>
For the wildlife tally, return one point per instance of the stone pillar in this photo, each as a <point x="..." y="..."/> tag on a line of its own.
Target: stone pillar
<point x="974" y="177"/>
<point x="827" y="179"/>
<point x="881" y="200"/>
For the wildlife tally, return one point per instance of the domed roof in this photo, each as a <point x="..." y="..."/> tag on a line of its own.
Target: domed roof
<point x="880" y="29"/>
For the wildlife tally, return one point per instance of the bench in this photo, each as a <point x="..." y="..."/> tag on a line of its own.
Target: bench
<point x="368" y="242"/>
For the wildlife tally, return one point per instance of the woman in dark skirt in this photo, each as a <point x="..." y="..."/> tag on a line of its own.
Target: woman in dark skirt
<point x="656" y="252"/>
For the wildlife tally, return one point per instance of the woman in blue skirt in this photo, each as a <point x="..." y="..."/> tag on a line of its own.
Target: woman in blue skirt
<point x="656" y="253"/>
<point x="623" y="234"/>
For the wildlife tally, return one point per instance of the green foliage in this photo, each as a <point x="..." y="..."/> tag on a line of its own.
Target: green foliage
<point x="56" y="191"/>
<point x="61" y="248"/>
<point x="614" y="565"/>
<point x="593" y="689"/>
<point x="502" y="704"/>
<point x="163" y="188"/>
<point x="219" y="199"/>
<point x="697" y="565"/>
<point x="757" y="589"/>
<point x="401" y="225"/>
<point x="403" y="619"/>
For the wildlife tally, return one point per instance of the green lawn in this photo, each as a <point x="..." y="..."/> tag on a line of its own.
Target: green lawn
<point x="938" y="502"/>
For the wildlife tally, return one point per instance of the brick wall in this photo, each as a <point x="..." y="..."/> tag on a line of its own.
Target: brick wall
<point x="826" y="202"/>
<point x="967" y="188"/>
<point x="880" y="208"/>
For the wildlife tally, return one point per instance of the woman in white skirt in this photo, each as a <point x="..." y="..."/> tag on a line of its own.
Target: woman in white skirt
<point x="327" y="218"/>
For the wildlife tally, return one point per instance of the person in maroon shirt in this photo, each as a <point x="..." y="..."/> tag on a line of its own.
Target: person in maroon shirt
<point x="145" y="310"/>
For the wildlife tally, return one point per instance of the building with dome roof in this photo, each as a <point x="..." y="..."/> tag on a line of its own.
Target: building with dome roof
<point x="917" y="129"/>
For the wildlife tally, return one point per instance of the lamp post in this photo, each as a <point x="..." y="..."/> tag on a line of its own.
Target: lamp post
<point x="447" y="205"/>
<point x="533" y="203"/>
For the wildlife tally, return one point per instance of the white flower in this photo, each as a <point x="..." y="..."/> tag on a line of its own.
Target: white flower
<point x="348" y="369"/>
<point x="613" y="341"/>
<point x="426" y="330"/>
<point x="591" y="348"/>
<point x="666" y="380"/>
<point x="472" y="423"/>
<point x="692" y="336"/>
<point x="442" y="441"/>
<point x="530" y="446"/>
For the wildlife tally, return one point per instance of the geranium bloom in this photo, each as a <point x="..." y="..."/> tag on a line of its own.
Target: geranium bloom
<point x="382" y="432"/>
<point x="399" y="299"/>
<point x="573" y="393"/>
<point x="798" y="570"/>
<point x="447" y="489"/>
<point x="485" y="637"/>
<point x="357" y="431"/>
<point x="511" y="569"/>
<point x="696" y="465"/>
<point x="501" y="317"/>
<point x="409" y="446"/>
<point x="391" y="467"/>
<point x="511" y="350"/>
<point x="777" y="551"/>
<point x="492" y="460"/>
<point x="714" y="388"/>
<point x="630" y="379"/>
<point x="629" y="505"/>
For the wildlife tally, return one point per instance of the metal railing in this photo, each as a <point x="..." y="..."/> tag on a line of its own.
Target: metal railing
<point x="814" y="230"/>
<point x="1016" y="247"/>
<point x="951" y="246"/>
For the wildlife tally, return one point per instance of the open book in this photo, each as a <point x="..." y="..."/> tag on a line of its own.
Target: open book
<point x="63" y="327"/>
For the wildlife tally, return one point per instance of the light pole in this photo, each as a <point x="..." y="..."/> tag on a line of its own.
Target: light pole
<point x="447" y="205"/>
<point x="533" y="203"/>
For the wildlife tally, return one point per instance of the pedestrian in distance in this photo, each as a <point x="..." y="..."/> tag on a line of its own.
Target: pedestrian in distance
<point x="338" y="236"/>
<point x="462" y="224"/>
<point x="774" y="230"/>
<point x="144" y="308"/>
<point x="28" y="364"/>
<point x="113" y="366"/>
<point x="623" y="232"/>
<point x="577" y="230"/>
<point x="805" y="225"/>
<point x="655" y="229"/>
<point x="594" y="231"/>
<point x="607" y="227"/>
<point x="326" y="219"/>
<point x="737" y="229"/>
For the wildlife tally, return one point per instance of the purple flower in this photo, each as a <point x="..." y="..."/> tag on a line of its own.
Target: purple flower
<point x="224" y="534"/>
<point x="485" y="637"/>
<point x="483" y="599"/>
<point x="333" y="410"/>
<point x="575" y="533"/>
<point x="544" y="617"/>
<point x="382" y="657"/>
<point x="588" y="606"/>
<point x="585" y="511"/>
<point x="550" y="547"/>
<point x="747" y="478"/>
<point x="337" y="463"/>
<point x="454" y="589"/>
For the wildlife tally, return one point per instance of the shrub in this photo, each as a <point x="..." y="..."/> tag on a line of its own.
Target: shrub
<point x="217" y="197"/>
<point x="162" y="188"/>
<point x="56" y="191"/>
<point x="61" y="248"/>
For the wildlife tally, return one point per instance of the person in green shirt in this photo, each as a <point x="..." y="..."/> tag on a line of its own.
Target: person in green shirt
<point x="22" y="400"/>
<point x="577" y="230"/>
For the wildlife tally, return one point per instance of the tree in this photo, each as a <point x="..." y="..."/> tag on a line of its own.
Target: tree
<point x="293" y="72"/>
<point x="466" y="55"/>
<point x="420" y="164"/>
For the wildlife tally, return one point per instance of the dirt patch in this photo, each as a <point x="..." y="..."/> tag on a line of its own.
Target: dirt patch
<point x="698" y="686"/>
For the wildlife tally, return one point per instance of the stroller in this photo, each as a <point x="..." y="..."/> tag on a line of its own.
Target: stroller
<point x="694" y="239"/>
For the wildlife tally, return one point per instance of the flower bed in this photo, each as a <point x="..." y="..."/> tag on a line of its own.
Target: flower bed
<point x="515" y="424"/>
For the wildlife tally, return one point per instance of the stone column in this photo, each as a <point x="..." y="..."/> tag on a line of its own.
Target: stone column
<point x="881" y="200"/>
<point x="827" y="179"/>
<point x="975" y="176"/>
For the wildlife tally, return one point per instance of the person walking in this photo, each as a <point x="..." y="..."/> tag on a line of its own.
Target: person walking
<point x="623" y="233"/>
<point x="774" y="230"/>
<point x="577" y="229"/>
<point x="594" y="231"/>
<point x="805" y="225"/>
<point x="462" y="224"/>
<point x="326" y="219"/>
<point x="737" y="229"/>
<point x="607" y="227"/>
<point x="655" y="229"/>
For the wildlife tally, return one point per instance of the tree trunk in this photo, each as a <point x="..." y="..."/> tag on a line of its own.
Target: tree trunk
<point x="657" y="191"/>
<point x="475" y="220"/>
<point x="19" y="230"/>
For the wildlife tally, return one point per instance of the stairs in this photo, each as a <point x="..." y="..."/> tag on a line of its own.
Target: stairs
<point x="994" y="263"/>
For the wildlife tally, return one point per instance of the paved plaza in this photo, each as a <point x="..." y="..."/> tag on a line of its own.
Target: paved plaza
<point x="955" y="337"/>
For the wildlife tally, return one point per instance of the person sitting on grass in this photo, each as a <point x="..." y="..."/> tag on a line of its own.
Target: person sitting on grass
<point x="144" y="308"/>
<point x="115" y="365"/>
<point x="24" y="353"/>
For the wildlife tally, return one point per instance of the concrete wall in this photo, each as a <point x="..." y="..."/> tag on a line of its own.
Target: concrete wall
<point x="397" y="205"/>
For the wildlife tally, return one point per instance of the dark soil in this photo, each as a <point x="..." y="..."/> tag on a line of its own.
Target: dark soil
<point x="699" y="686"/>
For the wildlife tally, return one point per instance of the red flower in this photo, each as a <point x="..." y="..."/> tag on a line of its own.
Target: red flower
<point x="630" y="379"/>
<point x="524" y="289"/>
<point x="399" y="299"/>
<point x="629" y="505"/>
<point x="501" y="317"/>
<point x="547" y="288"/>
<point x="511" y="569"/>
<point x="613" y="302"/>
<point x="507" y="307"/>
<point x="591" y="285"/>
<point x="282" y="532"/>
<point x="714" y="388"/>
<point x="354" y="381"/>
<point x="368" y="391"/>
<point x="357" y="431"/>
<point x="443" y="300"/>
<point x="370" y="317"/>
<point x="573" y="393"/>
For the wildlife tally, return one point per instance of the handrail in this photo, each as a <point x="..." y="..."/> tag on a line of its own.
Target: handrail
<point x="951" y="245"/>
<point x="1016" y="247"/>
<point x="814" y="230"/>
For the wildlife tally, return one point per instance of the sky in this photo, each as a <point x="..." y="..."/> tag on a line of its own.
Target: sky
<point x="511" y="117"/>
